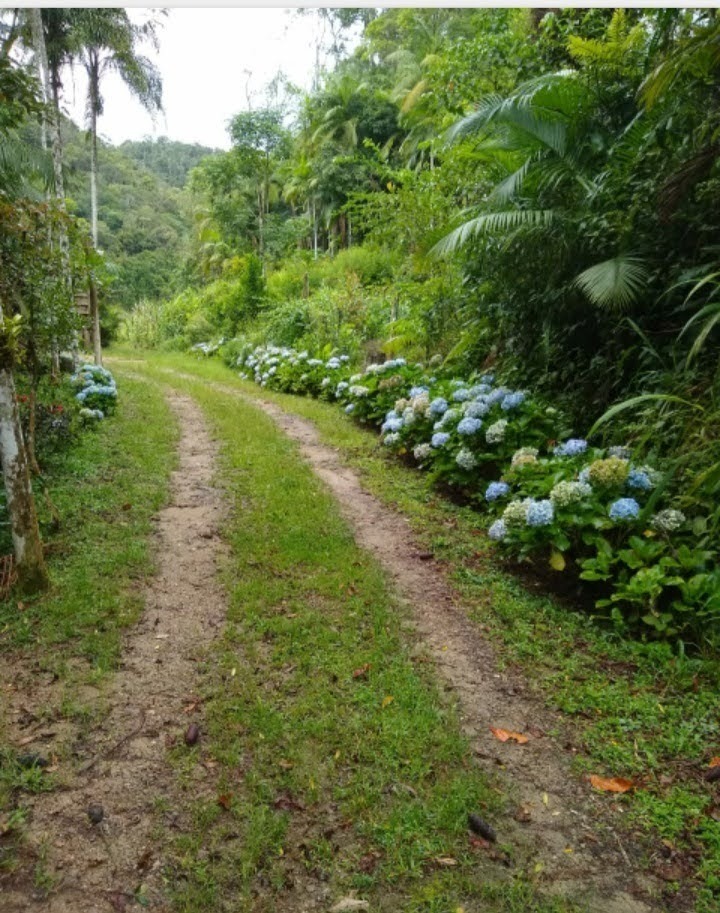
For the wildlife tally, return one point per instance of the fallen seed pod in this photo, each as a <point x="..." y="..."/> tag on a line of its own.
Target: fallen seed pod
<point x="31" y="759"/>
<point x="192" y="734"/>
<point x="478" y="826"/>
<point x="95" y="813"/>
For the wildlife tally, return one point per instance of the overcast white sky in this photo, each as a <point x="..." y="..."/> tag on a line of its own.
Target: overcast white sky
<point x="206" y="58"/>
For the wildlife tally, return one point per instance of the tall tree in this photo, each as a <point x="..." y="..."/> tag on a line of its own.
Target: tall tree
<point x="107" y="41"/>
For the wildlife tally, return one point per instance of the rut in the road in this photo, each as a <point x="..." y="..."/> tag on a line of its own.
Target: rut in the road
<point x="124" y="767"/>
<point x="570" y="837"/>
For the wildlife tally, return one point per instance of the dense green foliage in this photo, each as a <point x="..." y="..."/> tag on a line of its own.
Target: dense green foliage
<point x="142" y="224"/>
<point x="524" y="191"/>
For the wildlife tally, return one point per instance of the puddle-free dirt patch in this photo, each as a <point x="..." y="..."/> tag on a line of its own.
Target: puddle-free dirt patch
<point x="97" y="839"/>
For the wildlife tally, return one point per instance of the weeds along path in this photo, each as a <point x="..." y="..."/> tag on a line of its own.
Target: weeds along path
<point x="123" y="766"/>
<point x="560" y="830"/>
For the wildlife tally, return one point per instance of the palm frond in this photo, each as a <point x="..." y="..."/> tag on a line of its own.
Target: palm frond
<point x="614" y="284"/>
<point x="492" y="222"/>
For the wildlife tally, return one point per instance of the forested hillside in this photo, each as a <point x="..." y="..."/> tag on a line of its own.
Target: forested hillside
<point x="144" y="219"/>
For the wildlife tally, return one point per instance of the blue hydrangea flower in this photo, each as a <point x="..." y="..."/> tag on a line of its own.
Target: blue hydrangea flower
<point x="624" y="509"/>
<point x="438" y="406"/>
<point x="349" y="408"/>
<point x="497" y="395"/>
<point x="476" y="409"/>
<point x="392" y="424"/>
<point x="461" y="395"/>
<point x="440" y="439"/>
<point x="469" y="426"/>
<point x="487" y="379"/>
<point x="417" y="391"/>
<point x="638" y="478"/>
<point x="479" y="390"/>
<point x="498" y="530"/>
<point x="452" y="415"/>
<point x="512" y="400"/>
<point x="574" y="446"/>
<point x="391" y="439"/>
<point x="584" y="475"/>
<point x="540" y="513"/>
<point x="496" y="490"/>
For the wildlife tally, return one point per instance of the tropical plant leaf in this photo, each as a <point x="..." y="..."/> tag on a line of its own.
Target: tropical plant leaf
<point x="492" y="222"/>
<point x="637" y="401"/>
<point x="614" y="284"/>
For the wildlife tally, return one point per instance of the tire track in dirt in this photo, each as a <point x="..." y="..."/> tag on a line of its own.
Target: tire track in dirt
<point x="123" y="766"/>
<point x="570" y="833"/>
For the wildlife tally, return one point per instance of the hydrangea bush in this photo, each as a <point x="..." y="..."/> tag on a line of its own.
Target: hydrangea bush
<point x="97" y="391"/>
<point x="551" y="497"/>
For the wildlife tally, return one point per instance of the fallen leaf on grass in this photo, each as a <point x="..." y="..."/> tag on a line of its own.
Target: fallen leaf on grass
<point x="225" y="801"/>
<point x="557" y="561"/>
<point x="286" y="765"/>
<point x="673" y="871"/>
<point x="286" y="803"/>
<point x="368" y="863"/>
<point x="387" y="700"/>
<point x="612" y="784"/>
<point x="349" y="903"/>
<point x="118" y="901"/>
<point x="144" y="860"/>
<point x="522" y="814"/>
<point x="446" y="861"/>
<point x="361" y="671"/>
<point x="479" y="844"/>
<point x="505" y="735"/>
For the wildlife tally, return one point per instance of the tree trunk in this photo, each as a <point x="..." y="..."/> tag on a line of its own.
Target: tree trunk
<point x="95" y="317"/>
<point x="50" y="83"/>
<point x="94" y="306"/>
<point x="315" y="233"/>
<point x="93" y="178"/>
<point x="32" y="573"/>
<point x="41" y="62"/>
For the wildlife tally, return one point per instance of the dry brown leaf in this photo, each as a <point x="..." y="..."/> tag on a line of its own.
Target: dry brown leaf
<point x="714" y="762"/>
<point x="349" y="903"/>
<point x="506" y="735"/>
<point x="611" y="784"/>
<point x="225" y="801"/>
<point x="446" y="861"/>
<point x="362" y="671"/>
<point x="286" y="765"/>
<point x="387" y="700"/>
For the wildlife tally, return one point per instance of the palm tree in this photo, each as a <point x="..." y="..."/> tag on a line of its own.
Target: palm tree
<point x="106" y="41"/>
<point x="552" y="138"/>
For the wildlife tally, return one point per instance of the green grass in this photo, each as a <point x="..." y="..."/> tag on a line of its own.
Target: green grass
<point x="344" y="783"/>
<point x="637" y="709"/>
<point x="105" y="486"/>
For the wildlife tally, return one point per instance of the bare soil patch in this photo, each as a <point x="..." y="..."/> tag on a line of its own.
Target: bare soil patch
<point x="103" y="861"/>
